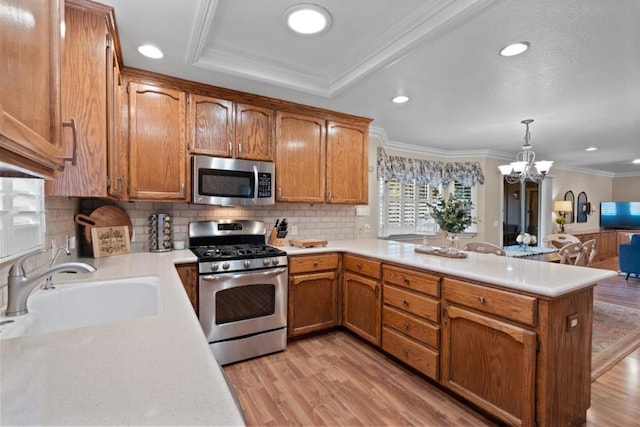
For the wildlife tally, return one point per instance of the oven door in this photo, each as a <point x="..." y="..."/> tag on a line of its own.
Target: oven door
<point x="233" y="305"/>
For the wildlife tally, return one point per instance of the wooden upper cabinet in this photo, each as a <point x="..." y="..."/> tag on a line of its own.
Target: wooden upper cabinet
<point x="300" y="158"/>
<point x="116" y="144"/>
<point x="253" y="133"/>
<point x="30" y="118"/>
<point x="87" y="98"/>
<point x="347" y="163"/>
<point x="157" y="143"/>
<point x="210" y="126"/>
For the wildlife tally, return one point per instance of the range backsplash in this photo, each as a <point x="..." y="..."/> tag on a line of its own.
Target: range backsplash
<point x="330" y="222"/>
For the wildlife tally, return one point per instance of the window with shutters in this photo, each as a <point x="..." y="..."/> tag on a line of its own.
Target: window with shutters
<point x="404" y="206"/>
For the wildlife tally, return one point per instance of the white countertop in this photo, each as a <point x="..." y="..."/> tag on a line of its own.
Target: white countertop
<point x="542" y="278"/>
<point x="159" y="370"/>
<point x="156" y="370"/>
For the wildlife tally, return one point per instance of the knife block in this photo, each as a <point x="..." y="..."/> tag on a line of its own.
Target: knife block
<point x="274" y="240"/>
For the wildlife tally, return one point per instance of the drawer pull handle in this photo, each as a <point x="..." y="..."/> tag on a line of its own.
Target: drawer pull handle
<point x="316" y="263"/>
<point x="406" y="281"/>
<point x="405" y="303"/>
<point x="359" y="266"/>
<point x="405" y="352"/>
<point x="405" y="325"/>
<point x="481" y="300"/>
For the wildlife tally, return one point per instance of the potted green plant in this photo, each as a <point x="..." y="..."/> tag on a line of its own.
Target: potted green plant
<point x="453" y="216"/>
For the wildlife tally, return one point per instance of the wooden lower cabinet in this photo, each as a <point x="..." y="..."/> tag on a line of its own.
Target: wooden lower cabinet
<point x="313" y="293"/>
<point x="189" y="276"/>
<point x="411" y="318"/>
<point x="362" y="299"/>
<point x="490" y="362"/>
<point x="606" y="243"/>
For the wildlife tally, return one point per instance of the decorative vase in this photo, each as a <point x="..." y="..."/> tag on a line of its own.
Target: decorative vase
<point x="452" y="248"/>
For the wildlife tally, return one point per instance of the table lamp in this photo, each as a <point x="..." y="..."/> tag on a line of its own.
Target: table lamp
<point x="562" y="207"/>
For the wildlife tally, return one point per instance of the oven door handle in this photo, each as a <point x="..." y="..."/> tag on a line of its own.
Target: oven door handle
<point x="266" y="273"/>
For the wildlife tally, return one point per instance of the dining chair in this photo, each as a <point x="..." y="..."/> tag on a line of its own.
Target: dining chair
<point x="568" y="253"/>
<point x="559" y="240"/>
<point x="587" y="253"/>
<point x="484" y="248"/>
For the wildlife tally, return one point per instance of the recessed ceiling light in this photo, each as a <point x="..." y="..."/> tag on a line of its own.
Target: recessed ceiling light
<point x="514" y="49"/>
<point x="636" y="161"/>
<point x="591" y="148"/>
<point x="150" y="51"/>
<point x="307" y="19"/>
<point x="400" y="99"/>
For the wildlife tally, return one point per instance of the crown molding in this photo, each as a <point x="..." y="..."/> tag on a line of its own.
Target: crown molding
<point x="401" y="39"/>
<point x="200" y="32"/>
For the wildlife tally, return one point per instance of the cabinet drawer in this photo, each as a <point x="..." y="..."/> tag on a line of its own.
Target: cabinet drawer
<point x="417" y="281"/>
<point x="413" y="326"/>
<point x="410" y="352"/>
<point x="412" y="302"/>
<point x="520" y="308"/>
<point x="364" y="266"/>
<point x="309" y="263"/>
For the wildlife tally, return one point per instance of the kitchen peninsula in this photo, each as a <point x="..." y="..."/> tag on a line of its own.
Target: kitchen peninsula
<point x="158" y="370"/>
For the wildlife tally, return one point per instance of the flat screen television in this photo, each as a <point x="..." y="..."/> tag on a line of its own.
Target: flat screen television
<point x="623" y="215"/>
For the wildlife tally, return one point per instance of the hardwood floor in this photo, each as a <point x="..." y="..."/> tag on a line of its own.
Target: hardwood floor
<point x="335" y="379"/>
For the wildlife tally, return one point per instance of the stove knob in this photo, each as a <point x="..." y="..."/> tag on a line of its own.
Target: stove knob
<point x="225" y="266"/>
<point x="266" y="262"/>
<point x="247" y="263"/>
<point x="275" y="261"/>
<point x="214" y="266"/>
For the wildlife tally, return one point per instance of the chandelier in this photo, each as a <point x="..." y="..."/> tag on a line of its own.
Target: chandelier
<point x="525" y="167"/>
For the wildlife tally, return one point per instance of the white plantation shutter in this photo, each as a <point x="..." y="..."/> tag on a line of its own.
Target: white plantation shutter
<point x="468" y="193"/>
<point x="403" y="205"/>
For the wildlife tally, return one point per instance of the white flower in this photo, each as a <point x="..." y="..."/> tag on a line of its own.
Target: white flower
<point x="519" y="238"/>
<point x="526" y="239"/>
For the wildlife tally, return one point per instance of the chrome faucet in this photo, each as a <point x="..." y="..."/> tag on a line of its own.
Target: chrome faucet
<point x="48" y="284"/>
<point x="20" y="286"/>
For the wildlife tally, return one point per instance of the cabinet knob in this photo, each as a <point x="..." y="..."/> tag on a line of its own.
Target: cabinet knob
<point x="405" y="352"/>
<point x="481" y="300"/>
<point x="316" y="263"/>
<point x="405" y="280"/>
<point x="359" y="266"/>
<point x="405" y="325"/>
<point x="405" y="303"/>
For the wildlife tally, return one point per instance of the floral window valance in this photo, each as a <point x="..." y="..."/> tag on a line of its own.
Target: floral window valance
<point x="405" y="169"/>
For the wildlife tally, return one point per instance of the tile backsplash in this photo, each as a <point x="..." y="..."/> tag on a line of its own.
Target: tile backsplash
<point x="313" y="221"/>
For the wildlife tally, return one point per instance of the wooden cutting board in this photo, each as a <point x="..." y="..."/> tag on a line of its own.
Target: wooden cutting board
<point x="307" y="243"/>
<point x="108" y="241"/>
<point x="104" y="216"/>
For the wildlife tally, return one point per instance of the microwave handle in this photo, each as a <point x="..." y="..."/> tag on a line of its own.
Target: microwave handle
<point x="255" y="184"/>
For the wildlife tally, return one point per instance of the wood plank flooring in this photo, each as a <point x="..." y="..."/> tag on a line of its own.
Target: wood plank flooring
<point x="335" y="379"/>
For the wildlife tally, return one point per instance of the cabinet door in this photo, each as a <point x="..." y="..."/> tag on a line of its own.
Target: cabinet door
<point x="300" y="158"/>
<point x="116" y="147"/>
<point x="491" y="363"/>
<point x="362" y="306"/>
<point x="347" y="163"/>
<point x="157" y="143"/>
<point x="210" y="126"/>
<point x="84" y="99"/>
<point x="313" y="302"/>
<point x="189" y="277"/>
<point x="253" y="133"/>
<point x="30" y="118"/>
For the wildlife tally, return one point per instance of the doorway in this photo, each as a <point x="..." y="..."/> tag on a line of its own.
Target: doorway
<point x="521" y="204"/>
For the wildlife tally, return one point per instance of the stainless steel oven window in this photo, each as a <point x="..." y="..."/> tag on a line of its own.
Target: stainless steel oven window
<point x="245" y="302"/>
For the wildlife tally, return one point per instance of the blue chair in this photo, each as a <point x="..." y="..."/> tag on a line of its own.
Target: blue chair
<point x="630" y="256"/>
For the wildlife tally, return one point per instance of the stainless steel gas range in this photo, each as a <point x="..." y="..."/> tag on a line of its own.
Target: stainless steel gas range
<point x="242" y="288"/>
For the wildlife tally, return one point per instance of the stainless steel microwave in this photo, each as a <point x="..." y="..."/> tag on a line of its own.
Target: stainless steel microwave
<point x="232" y="182"/>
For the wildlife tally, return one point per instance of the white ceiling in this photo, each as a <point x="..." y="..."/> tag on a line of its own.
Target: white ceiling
<point x="579" y="80"/>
